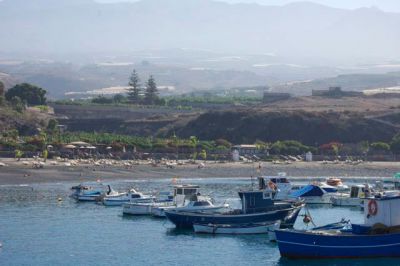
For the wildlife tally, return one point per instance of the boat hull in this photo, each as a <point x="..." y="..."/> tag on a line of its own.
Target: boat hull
<point x="236" y="229"/>
<point x="87" y="197"/>
<point x="302" y="245"/>
<point x="343" y="201"/>
<point x="325" y="199"/>
<point x="142" y="208"/>
<point x="121" y="201"/>
<point x="160" y="211"/>
<point x="187" y="219"/>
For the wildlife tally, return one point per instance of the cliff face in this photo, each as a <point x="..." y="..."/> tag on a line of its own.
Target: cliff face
<point x="308" y="127"/>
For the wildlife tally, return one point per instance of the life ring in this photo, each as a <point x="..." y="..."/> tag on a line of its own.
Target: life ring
<point x="372" y="207"/>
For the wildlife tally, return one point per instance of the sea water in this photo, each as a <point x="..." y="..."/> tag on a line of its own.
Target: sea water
<point x="41" y="225"/>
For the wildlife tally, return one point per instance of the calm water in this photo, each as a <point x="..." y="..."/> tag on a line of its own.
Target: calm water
<point x="36" y="229"/>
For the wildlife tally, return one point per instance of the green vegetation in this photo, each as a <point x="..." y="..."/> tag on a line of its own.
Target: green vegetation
<point x="290" y="147"/>
<point x="134" y="90"/>
<point x="151" y="93"/>
<point x="395" y="144"/>
<point x="17" y="104"/>
<point x="380" y="146"/>
<point x="188" y="100"/>
<point x="27" y="93"/>
<point x="2" y="89"/>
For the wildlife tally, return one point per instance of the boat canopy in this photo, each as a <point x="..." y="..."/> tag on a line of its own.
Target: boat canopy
<point x="308" y="191"/>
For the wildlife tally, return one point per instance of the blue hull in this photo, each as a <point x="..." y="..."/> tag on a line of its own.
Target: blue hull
<point x="303" y="245"/>
<point x="187" y="219"/>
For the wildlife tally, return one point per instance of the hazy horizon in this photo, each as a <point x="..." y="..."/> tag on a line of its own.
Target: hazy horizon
<point x="81" y="45"/>
<point x="385" y="5"/>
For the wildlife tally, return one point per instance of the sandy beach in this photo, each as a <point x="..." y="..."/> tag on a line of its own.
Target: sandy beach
<point x="22" y="172"/>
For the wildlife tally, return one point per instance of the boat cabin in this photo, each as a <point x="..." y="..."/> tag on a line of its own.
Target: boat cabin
<point x="277" y="181"/>
<point x="360" y="191"/>
<point x="184" y="192"/>
<point x="256" y="201"/>
<point x="382" y="209"/>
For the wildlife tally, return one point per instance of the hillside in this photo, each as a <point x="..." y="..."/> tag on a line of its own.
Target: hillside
<point x="310" y="120"/>
<point x="26" y="123"/>
<point x="247" y="126"/>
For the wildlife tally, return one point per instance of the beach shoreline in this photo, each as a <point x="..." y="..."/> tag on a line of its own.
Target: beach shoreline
<point x="21" y="172"/>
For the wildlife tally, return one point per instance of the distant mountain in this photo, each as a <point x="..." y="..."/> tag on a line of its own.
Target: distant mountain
<point x="301" y="30"/>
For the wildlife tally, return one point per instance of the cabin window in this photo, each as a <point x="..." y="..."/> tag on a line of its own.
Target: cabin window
<point x="354" y="192"/>
<point x="135" y="196"/>
<point x="200" y="203"/>
<point x="267" y="195"/>
<point x="179" y="191"/>
<point x="190" y="191"/>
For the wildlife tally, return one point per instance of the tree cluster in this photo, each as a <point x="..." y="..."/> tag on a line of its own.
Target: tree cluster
<point x="139" y="95"/>
<point x="27" y="93"/>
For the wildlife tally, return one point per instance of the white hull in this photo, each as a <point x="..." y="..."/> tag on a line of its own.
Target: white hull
<point x="325" y="199"/>
<point x="160" y="211"/>
<point x="141" y="208"/>
<point x="121" y="201"/>
<point x="347" y="201"/>
<point x="237" y="230"/>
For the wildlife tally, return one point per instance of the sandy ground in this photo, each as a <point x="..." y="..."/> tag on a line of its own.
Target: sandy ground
<point x="19" y="173"/>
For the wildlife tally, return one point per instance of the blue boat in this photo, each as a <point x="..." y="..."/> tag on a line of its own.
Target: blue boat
<point x="315" y="194"/>
<point x="257" y="207"/>
<point x="379" y="236"/>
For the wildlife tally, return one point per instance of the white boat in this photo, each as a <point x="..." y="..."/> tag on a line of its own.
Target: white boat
<point x="335" y="183"/>
<point x="314" y="194"/>
<point x="195" y="204"/>
<point x="142" y="208"/>
<point x="238" y="229"/>
<point x="91" y="191"/>
<point x="355" y="198"/>
<point x="181" y="193"/>
<point x="118" y="199"/>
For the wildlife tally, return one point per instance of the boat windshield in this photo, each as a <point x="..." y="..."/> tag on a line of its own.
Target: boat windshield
<point x="201" y="203"/>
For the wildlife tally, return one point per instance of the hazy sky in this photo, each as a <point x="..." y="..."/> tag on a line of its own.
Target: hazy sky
<point x="387" y="5"/>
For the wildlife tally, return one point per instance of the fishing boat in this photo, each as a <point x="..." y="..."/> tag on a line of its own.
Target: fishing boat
<point x="336" y="183"/>
<point x="257" y="207"/>
<point x="280" y="184"/>
<point x="181" y="194"/>
<point x="379" y="236"/>
<point x="91" y="191"/>
<point x="132" y="195"/>
<point x="237" y="229"/>
<point x="315" y="194"/>
<point x="355" y="198"/>
<point x="195" y="203"/>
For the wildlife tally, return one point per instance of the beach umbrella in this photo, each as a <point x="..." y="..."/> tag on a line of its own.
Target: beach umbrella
<point x="80" y="143"/>
<point x="69" y="146"/>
